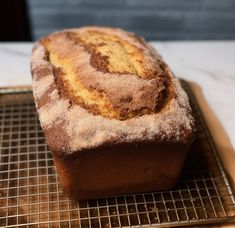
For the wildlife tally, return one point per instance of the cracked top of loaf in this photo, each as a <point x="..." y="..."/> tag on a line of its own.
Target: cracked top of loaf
<point x="96" y="86"/>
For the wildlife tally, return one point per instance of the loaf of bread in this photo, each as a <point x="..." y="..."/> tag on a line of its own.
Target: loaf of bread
<point x="114" y="116"/>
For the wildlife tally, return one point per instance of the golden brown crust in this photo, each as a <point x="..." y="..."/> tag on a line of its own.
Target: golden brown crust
<point x="107" y="73"/>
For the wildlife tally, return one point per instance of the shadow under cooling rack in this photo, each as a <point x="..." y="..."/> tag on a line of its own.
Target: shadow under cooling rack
<point x="30" y="192"/>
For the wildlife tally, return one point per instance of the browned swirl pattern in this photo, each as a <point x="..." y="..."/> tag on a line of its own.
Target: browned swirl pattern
<point x="109" y="72"/>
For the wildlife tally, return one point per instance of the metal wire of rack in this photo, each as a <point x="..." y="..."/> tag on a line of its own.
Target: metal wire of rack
<point x="30" y="193"/>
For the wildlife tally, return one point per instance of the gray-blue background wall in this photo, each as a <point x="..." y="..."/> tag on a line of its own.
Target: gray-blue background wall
<point x="153" y="19"/>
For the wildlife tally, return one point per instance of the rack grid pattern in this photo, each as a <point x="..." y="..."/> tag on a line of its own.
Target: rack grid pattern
<point x="30" y="193"/>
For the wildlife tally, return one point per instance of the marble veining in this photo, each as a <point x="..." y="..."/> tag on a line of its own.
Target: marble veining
<point x="211" y="64"/>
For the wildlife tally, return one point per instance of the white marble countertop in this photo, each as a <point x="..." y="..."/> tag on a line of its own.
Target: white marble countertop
<point x="210" y="64"/>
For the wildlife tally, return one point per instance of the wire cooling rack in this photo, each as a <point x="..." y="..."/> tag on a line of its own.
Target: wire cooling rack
<point x="30" y="193"/>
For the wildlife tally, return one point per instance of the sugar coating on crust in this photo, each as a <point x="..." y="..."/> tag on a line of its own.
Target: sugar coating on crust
<point x="106" y="72"/>
<point x="52" y="112"/>
<point x="85" y="130"/>
<point x="42" y="85"/>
